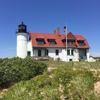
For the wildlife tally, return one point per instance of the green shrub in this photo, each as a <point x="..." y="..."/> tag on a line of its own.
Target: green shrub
<point x="77" y="84"/>
<point x="17" y="69"/>
<point x="40" y="88"/>
<point x="62" y="82"/>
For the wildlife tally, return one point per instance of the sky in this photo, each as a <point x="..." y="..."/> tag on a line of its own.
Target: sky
<point x="81" y="16"/>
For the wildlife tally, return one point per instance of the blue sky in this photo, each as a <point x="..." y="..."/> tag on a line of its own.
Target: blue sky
<point x="82" y="17"/>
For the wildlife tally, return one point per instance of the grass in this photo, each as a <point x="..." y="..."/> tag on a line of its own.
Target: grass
<point x="54" y="63"/>
<point x="61" y="85"/>
<point x="44" y="87"/>
<point x="82" y="64"/>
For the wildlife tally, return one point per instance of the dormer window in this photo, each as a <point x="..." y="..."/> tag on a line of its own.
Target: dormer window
<point x="70" y="42"/>
<point x="81" y="43"/>
<point x="40" y="41"/>
<point x="51" y="41"/>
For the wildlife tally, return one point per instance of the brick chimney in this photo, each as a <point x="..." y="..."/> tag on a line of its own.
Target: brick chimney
<point x="58" y="31"/>
<point x="54" y="31"/>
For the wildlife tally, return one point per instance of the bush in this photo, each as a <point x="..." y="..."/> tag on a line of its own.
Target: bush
<point x="76" y="84"/>
<point x="16" y="69"/>
<point x="39" y="88"/>
<point x="63" y="82"/>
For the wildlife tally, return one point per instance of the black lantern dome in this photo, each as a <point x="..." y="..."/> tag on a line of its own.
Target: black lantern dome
<point x="22" y="28"/>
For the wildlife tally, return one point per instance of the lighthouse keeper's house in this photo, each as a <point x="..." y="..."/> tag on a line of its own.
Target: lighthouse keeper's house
<point x="53" y="45"/>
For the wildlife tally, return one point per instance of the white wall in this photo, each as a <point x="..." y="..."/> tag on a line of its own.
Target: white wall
<point x="87" y="54"/>
<point x="62" y="53"/>
<point x="35" y="53"/>
<point x="51" y="53"/>
<point x="22" y="44"/>
<point x="42" y="52"/>
<point x="76" y="55"/>
<point x="29" y="47"/>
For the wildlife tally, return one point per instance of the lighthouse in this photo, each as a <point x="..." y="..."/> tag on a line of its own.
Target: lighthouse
<point x="22" y="38"/>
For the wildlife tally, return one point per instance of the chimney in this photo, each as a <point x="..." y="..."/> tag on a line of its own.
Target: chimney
<point x="58" y="31"/>
<point x="54" y="31"/>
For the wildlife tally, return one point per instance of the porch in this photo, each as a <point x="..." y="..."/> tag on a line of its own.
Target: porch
<point x="40" y="54"/>
<point x="82" y="54"/>
<point x="43" y="58"/>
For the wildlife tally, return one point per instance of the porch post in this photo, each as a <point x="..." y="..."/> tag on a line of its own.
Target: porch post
<point x="87" y="54"/>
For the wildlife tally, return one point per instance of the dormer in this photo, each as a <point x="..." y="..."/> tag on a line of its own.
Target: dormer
<point x="70" y="36"/>
<point x="70" y="39"/>
<point x="51" y="41"/>
<point x="70" y="42"/>
<point x="81" y="42"/>
<point x="40" y="41"/>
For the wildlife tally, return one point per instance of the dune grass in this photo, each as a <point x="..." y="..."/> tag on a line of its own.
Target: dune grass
<point x="82" y="64"/>
<point x="62" y="82"/>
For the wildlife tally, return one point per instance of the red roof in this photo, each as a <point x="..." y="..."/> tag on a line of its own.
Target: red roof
<point x="40" y="37"/>
<point x="59" y="39"/>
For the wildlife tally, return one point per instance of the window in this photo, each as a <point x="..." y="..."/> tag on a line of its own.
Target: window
<point x="40" y="41"/>
<point x="72" y="52"/>
<point x="70" y="42"/>
<point x="46" y="52"/>
<point x="22" y="27"/>
<point x="57" y="52"/>
<point x="51" y="41"/>
<point x="68" y="52"/>
<point x="81" y="43"/>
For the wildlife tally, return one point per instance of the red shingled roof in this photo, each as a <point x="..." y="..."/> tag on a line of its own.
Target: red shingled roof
<point x="59" y="39"/>
<point x="40" y="37"/>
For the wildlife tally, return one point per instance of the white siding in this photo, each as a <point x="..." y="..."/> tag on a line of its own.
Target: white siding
<point x="42" y="52"/>
<point x="76" y="55"/>
<point x="35" y="53"/>
<point x="22" y="44"/>
<point x="52" y="53"/>
<point x="87" y="53"/>
<point x="63" y="55"/>
<point x="29" y="47"/>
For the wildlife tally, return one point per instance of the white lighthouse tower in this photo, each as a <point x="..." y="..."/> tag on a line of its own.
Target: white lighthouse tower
<point x="22" y="38"/>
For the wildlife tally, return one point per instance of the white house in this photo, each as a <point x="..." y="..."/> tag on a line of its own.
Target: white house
<point x="52" y="45"/>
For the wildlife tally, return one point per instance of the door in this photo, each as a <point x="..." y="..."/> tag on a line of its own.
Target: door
<point x="46" y="52"/>
<point x="39" y="52"/>
<point x="28" y="53"/>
